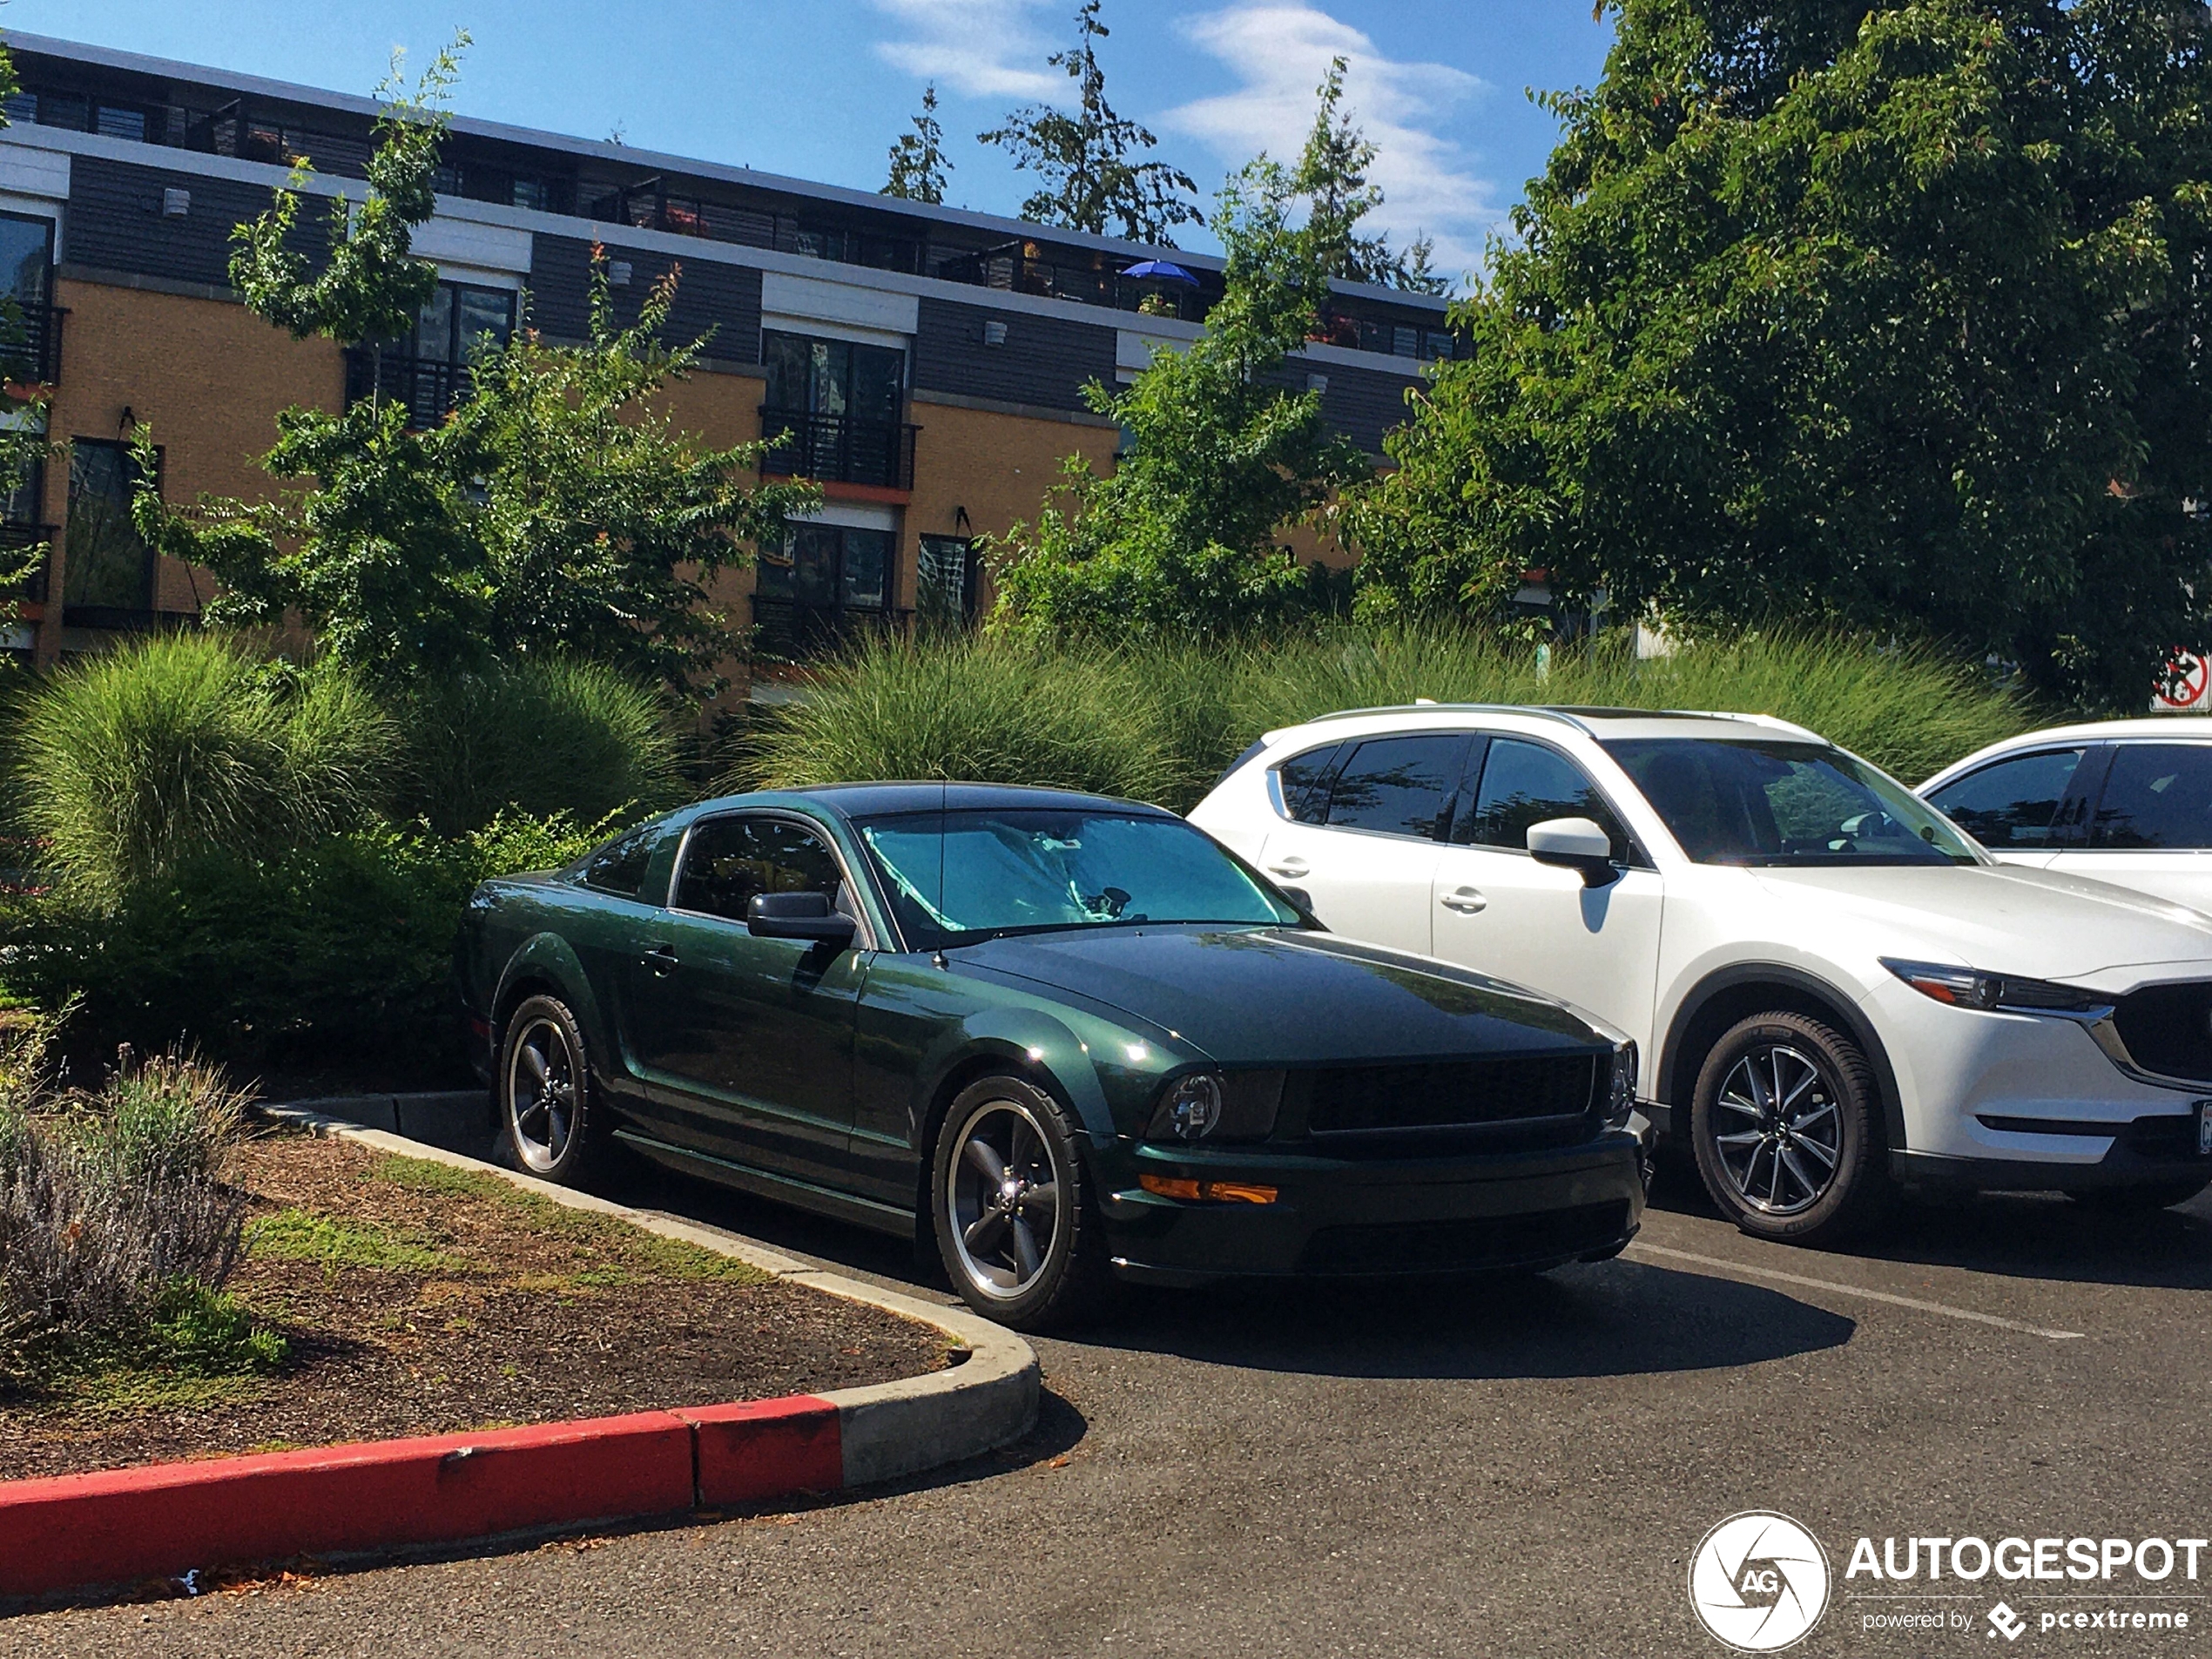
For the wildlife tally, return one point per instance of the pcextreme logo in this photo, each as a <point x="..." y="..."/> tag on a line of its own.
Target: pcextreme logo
<point x="1759" y="1581"/>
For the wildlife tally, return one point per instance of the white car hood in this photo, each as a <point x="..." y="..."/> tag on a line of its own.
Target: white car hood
<point x="1998" y="918"/>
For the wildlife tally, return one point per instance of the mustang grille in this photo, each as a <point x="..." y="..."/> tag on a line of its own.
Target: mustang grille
<point x="1449" y="1246"/>
<point x="1366" y="1100"/>
<point x="2167" y="1029"/>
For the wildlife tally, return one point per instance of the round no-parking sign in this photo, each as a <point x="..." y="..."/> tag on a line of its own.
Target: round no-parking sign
<point x="2183" y="686"/>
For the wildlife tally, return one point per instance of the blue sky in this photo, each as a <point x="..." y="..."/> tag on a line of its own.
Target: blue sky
<point x="819" y="89"/>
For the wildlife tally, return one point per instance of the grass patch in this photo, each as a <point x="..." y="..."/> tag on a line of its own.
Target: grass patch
<point x="202" y="1347"/>
<point x="301" y="1236"/>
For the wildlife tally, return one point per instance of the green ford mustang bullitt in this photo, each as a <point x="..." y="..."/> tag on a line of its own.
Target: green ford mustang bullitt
<point x="1072" y="1040"/>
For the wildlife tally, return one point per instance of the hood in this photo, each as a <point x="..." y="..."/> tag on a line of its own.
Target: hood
<point x="2000" y="918"/>
<point x="1280" y="996"/>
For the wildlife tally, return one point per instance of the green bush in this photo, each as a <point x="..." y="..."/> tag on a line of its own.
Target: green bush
<point x="989" y="710"/>
<point x="537" y="737"/>
<point x="339" y="950"/>
<point x="1160" y="723"/>
<point x="126" y="765"/>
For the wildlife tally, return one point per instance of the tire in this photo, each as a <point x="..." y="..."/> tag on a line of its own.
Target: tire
<point x="548" y="1123"/>
<point x="1813" y="1174"/>
<point x="1014" y="1210"/>
<point x="2138" y="1201"/>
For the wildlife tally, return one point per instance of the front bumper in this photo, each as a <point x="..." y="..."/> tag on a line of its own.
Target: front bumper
<point x="1373" y="1218"/>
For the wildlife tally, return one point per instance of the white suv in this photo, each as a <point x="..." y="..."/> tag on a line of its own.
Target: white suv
<point x="1832" y="989"/>
<point x="2126" y="801"/>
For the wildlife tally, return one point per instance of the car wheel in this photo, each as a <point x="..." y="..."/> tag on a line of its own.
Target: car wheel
<point x="545" y="1105"/>
<point x="1786" y="1129"/>
<point x="1016" y="1222"/>
<point x="2138" y="1201"/>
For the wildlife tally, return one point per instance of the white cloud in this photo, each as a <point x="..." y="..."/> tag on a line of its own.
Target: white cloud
<point x="1280" y="53"/>
<point x="982" y="48"/>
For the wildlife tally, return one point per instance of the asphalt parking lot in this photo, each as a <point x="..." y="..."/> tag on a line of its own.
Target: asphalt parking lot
<point x="1521" y="1468"/>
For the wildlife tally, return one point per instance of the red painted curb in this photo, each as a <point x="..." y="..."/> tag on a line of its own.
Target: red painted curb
<point x="765" y="1448"/>
<point x="120" y="1524"/>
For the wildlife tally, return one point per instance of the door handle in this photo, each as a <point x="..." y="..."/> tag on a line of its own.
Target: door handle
<point x="662" y="960"/>
<point x="1292" y="868"/>
<point x="1466" y="900"/>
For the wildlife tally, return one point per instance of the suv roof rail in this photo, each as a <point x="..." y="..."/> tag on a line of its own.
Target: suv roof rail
<point x="1578" y="716"/>
<point x="1566" y="717"/>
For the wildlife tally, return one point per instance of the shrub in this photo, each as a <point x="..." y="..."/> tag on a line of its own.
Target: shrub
<point x="127" y="765"/>
<point x="538" y="738"/>
<point x="339" y="950"/>
<point x="992" y="710"/>
<point x="119" y="1222"/>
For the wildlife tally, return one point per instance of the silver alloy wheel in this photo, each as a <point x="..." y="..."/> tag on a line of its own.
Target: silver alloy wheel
<point x="541" y="1074"/>
<point x="1786" y="1156"/>
<point x="1002" y="1197"/>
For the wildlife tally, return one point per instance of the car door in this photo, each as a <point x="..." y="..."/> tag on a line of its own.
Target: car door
<point x="2024" y="807"/>
<point x="2151" y="827"/>
<point x="746" y="1043"/>
<point x="1364" y="847"/>
<point x="1496" y="910"/>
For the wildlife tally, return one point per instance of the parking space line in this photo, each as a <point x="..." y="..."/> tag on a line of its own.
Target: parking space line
<point x="1641" y="1249"/>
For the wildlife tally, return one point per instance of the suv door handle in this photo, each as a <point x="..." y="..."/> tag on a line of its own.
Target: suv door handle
<point x="662" y="960"/>
<point x="1292" y="866"/>
<point x="1466" y="900"/>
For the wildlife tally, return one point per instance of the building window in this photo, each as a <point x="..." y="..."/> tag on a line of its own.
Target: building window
<point x="832" y="411"/>
<point x="428" y="370"/>
<point x="945" y="582"/>
<point x="825" y="582"/>
<point x="108" y="567"/>
<point x="455" y="319"/>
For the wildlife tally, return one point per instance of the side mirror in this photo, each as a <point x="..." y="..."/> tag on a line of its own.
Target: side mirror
<point x="799" y="915"/>
<point x="1574" y="844"/>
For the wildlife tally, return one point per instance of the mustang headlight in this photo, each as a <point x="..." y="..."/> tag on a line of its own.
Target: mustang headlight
<point x="1967" y="989"/>
<point x="1208" y="1105"/>
<point x="1621" y="1098"/>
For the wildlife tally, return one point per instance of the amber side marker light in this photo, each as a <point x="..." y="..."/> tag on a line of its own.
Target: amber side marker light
<point x="1175" y="1186"/>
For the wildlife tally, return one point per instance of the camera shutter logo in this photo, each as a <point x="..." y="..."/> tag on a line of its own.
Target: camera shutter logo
<point x="1758" y="1582"/>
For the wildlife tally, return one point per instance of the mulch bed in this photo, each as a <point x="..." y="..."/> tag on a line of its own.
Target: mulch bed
<point x="419" y="1300"/>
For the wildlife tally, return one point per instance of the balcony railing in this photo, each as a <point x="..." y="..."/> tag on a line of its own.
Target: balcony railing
<point x="31" y="355"/>
<point x="794" y="629"/>
<point x="835" y="450"/>
<point x="428" y="389"/>
<point x="652" y="206"/>
<point x="15" y="541"/>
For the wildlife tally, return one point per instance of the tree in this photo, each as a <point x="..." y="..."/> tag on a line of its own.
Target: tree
<point x="1092" y="180"/>
<point x="1332" y="175"/>
<point x="1221" y="456"/>
<point x="555" y="511"/>
<point x="1882" y="315"/>
<point x="918" y="164"/>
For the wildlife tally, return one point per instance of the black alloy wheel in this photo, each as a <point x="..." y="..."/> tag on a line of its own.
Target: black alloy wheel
<point x="547" y="1123"/>
<point x="1011" y="1204"/>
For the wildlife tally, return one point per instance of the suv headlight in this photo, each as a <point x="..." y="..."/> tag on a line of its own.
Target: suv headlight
<point x="1212" y="1105"/>
<point x="1996" y="993"/>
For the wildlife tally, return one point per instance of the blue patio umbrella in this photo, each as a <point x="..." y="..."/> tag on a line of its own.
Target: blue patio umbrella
<point x="1159" y="270"/>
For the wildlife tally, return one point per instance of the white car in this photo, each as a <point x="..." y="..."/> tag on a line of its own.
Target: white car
<point x="1833" y="990"/>
<point x="2126" y="801"/>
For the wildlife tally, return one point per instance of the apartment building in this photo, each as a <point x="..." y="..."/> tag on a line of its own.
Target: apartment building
<point x="925" y="363"/>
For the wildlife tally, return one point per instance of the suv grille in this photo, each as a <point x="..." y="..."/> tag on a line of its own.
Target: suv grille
<point x="1450" y="1246"/>
<point x="1467" y="1094"/>
<point x="2167" y="1029"/>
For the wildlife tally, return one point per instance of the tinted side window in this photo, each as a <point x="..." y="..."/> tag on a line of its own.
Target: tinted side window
<point x="619" y="867"/>
<point x="1525" y="784"/>
<point x="2013" y="803"/>
<point x="1399" y="785"/>
<point x="1304" y="781"/>
<point x="729" y="859"/>
<point x="2157" y="795"/>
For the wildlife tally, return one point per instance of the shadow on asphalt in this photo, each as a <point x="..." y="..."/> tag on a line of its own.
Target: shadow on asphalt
<point x="2015" y="1235"/>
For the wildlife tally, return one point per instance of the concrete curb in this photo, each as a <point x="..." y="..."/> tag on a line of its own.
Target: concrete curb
<point x="117" y="1526"/>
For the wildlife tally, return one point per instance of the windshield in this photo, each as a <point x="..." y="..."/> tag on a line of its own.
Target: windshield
<point x="957" y="877"/>
<point x="1778" y="802"/>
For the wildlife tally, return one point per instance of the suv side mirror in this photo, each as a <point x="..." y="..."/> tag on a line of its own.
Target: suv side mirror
<point x="799" y="915"/>
<point x="1574" y="844"/>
